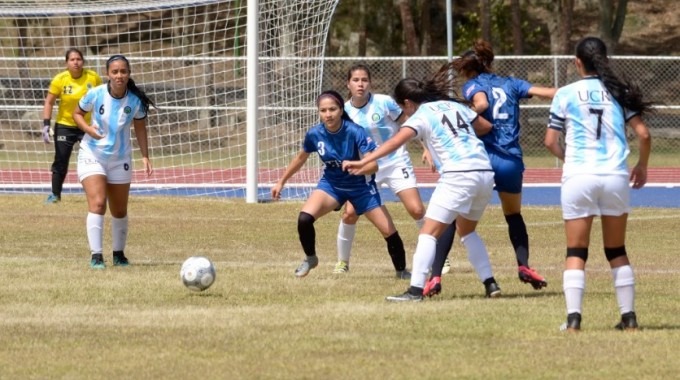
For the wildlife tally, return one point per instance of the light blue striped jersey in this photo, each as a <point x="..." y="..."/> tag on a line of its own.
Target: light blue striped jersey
<point x="350" y="142"/>
<point x="378" y="117"/>
<point x="114" y="118"/>
<point x="446" y="128"/>
<point x="595" y="128"/>
<point x="503" y="95"/>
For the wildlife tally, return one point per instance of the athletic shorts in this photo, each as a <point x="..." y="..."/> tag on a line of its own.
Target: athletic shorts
<point x="508" y="172"/>
<point x="397" y="178"/>
<point x="363" y="199"/>
<point x="116" y="172"/>
<point x="586" y="195"/>
<point x="462" y="193"/>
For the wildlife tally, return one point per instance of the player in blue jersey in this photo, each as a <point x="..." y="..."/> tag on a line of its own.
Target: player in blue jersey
<point x="593" y="112"/>
<point x="380" y="116"/>
<point x="497" y="99"/>
<point x="448" y="127"/>
<point x="105" y="155"/>
<point x="336" y="139"/>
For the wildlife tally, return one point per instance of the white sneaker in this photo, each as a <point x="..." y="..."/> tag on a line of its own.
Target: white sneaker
<point x="341" y="267"/>
<point x="310" y="263"/>
<point x="447" y="267"/>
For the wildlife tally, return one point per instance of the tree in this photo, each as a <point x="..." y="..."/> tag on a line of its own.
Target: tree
<point x="485" y="16"/>
<point x="559" y="23"/>
<point x="408" y="26"/>
<point x="611" y="23"/>
<point x="517" y="41"/>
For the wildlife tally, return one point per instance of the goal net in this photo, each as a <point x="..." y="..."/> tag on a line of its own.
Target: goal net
<point x="190" y="58"/>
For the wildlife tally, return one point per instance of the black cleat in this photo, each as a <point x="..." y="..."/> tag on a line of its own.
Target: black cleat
<point x="628" y="322"/>
<point x="411" y="295"/>
<point x="573" y="323"/>
<point x="492" y="289"/>
<point x="119" y="259"/>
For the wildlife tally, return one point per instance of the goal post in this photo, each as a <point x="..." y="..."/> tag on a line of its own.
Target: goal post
<point x="228" y="118"/>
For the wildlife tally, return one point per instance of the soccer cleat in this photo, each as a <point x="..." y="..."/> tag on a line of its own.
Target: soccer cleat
<point x="308" y="264"/>
<point x="433" y="287"/>
<point x="341" y="267"/>
<point x="52" y="199"/>
<point x="403" y="274"/>
<point x="97" y="261"/>
<point x="407" y="296"/>
<point x="573" y="323"/>
<point x="530" y="276"/>
<point x="492" y="290"/>
<point x="447" y="267"/>
<point x="628" y="322"/>
<point x="119" y="259"/>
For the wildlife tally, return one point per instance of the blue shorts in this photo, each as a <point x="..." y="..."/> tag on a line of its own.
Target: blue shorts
<point x="508" y="172"/>
<point x="363" y="199"/>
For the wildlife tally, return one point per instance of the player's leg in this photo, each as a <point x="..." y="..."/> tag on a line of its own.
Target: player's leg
<point x="118" y="190"/>
<point x="477" y="252"/>
<point x="441" y="261"/>
<point x="346" y="233"/>
<point x="95" y="193"/>
<point x="614" y="217"/>
<point x="319" y="203"/>
<point x="382" y="220"/>
<point x="62" y="154"/>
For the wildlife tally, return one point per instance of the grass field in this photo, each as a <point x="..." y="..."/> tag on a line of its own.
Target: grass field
<point x="61" y="320"/>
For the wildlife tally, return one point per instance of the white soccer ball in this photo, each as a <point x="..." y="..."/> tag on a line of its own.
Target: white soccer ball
<point x="197" y="273"/>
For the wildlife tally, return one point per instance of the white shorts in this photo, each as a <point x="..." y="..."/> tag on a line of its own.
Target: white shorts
<point x="116" y="172"/>
<point x="396" y="178"/>
<point x="586" y="195"/>
<point x="466" y="194"/>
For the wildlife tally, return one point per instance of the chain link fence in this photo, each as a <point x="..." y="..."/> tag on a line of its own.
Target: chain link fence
<point x="658" y="77"/>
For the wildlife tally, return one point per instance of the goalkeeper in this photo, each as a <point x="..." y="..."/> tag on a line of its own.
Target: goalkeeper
<point x="68" y="86"/>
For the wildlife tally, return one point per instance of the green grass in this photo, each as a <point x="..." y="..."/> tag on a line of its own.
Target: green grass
<point x="61" y="320"/>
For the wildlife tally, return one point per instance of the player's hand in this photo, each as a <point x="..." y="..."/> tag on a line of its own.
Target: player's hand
<point x="427" y="159"/>
<point x="638" y="176"/>
<point x="352" y="167"/>
<point x="93" y="131"/>
<point x="47" y="133"/>
<point x="276" y="191"/>
<point x="148" y="169"/>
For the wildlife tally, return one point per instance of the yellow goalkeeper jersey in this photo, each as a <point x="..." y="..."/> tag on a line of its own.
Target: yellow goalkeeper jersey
<point x="69" y="91"/>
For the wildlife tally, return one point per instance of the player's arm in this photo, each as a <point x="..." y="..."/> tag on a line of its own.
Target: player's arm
<point x="552" y="142"/>
<point x="389" y="146"/>
<point x="479" y="102"/>
<point x="481" y="126"/>
<point x="543" y="92"/>
<point x="295" y="164"/>
<point x="79" y="118"/>
<point x="143" y="141"/>
<point x="639" y="172"/>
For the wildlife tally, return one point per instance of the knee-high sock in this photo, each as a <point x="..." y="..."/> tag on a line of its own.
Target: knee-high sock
<point x="346" y="234"/>
<point x="517" y="230"/>
<point x="95" y="231"/>
<point x="574" y="284"/>
<point x="478" y="255"/>
<point x="307" y="233"/>
<point x="419" y="223"/>
<point x="395" y="247"/>
<point x="422" y="259"/>
<point x="624" y="284"/>
<point x="444" y="244"/>
<point x="119" y="233"/>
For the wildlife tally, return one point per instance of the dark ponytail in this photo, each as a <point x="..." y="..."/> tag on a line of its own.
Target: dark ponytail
<point x="131" y="85"/>
<point x="592" y="52"/>
<point x="441" y="86"/>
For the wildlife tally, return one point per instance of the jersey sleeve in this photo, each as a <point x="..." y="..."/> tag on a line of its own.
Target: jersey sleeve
<point x="393" y="109"/>
<point x="364" y="141"/>
<point x="521" y="87"/>
<point x="86" y="103"/>
<point x="55" y="85"/>
<point x="557" y="116"/>
<point x="470" y="88"/>
<point x="308" y="144"/>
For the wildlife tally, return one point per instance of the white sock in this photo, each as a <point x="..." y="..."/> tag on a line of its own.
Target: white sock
<point x="346" y="234"/>
<point x="119" y="233"/>
<point x="477" y="255"/>
<point x="574" y="284"/>
<point x="624" y="285"/>
<point x="95" y="231"/>
<point x="419" y="223"/>
<point x="423" y="259"/>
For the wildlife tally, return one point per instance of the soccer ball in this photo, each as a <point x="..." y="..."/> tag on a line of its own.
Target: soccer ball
<point x="197" y="273"/>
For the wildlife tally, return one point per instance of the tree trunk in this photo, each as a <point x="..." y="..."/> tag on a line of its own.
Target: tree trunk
<point x="425" y="27"/>
<point x="567" y="16"/>
<point x="410" y="36"/>
<point x="517" y="42"/>
<point x="611" y="24"/>
<point x="362" y="29"/>
<point x="485" y="18"/>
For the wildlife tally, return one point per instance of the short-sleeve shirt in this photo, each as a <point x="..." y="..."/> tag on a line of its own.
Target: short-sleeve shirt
<point x="504" y="95"/>
<point x="69" y="90"/>
<point x="350" y="142"/>
<point x="379" y="117"/>
<point x="594" y="123"/>
<point x="114" y="117"/>
<point x="446" y="128"/>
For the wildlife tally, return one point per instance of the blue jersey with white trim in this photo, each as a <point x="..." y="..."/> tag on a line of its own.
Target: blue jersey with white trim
<point x="379" y="118"/>
<point x="350" y="142"/>
<point x="503" y="95"/>
<point x="114" y="119"/>
<point x="594" y="123"/>
<point x="446" y="128"/>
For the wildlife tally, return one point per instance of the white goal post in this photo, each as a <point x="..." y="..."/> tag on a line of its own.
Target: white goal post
<point x="191" y="57"/>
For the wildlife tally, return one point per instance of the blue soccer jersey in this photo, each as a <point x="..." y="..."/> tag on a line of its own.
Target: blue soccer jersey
<point x="379" y="118"/>
<point x="114" y="119"/>
<point x="446" y="128"/>
<point x="594" y="123"/>
<point x="350" y="142"/>
<point x="503" y="95"/>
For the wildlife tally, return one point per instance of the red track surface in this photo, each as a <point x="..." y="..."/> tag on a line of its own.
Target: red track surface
<point x="233" y="176"/>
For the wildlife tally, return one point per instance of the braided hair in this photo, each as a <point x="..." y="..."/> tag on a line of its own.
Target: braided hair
<point x="592" y="52"/>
